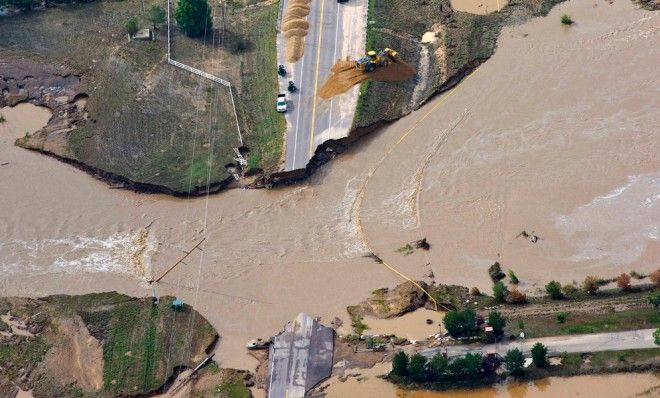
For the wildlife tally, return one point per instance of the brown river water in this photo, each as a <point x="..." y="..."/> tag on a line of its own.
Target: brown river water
<point x="556" y="134"/>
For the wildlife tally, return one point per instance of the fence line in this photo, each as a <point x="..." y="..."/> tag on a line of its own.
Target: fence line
<point x="200" y="72"/>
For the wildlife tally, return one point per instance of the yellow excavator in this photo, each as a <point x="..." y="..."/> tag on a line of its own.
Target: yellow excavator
<point x="375" y="59"/>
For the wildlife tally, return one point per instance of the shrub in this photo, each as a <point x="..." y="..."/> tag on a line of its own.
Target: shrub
<point x="497" y="321"/>
<point x="623" y="281"/>
<point x="194" y="17"/>
<point x="156" y="15"/>
<point x="562" y="316"/>
<point x="239" y="44"/>
<point x="131" y="26"/>
<point x="566" y="19"/>
<point x="499" y="292"/>
<point x="569" y="290"/>
<point x="438" y="367"/>
<point x="521" y="324"/>
<point x="591" y="284"/>
<point x="539" y="355"/>
<point x="654" y="299"/>
<point x="655" y="278"/>
<point x="460" y="323"/>
<point x="475" y="292"/>
<point x="513" y="278"/>
<point x="656" y="337"/>
<point x="495" y="272"/>
<point x="417" y="368"/>
<point x="553" y="288"/>
<point x="400" y="364"/>
<point x="514" y="360"/>
<point x="517" y="297"/>
<point x="637" y="275"/>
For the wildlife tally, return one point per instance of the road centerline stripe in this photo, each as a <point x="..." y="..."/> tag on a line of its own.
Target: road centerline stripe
<point x="316" y="81"/>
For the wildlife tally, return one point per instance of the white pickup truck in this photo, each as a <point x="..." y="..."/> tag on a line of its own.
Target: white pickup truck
<point x="281" y="102"/>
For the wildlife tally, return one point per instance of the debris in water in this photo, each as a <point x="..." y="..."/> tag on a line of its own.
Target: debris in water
<point x="422" y="244"/>
<point x="374" y="257"/>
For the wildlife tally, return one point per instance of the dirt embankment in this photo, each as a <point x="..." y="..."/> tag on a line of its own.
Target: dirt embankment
<point x="295" y="27"/>
<point x="346" y="75"/>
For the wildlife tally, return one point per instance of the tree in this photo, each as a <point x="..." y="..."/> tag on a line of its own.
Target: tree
<point x="514" y="360"/>
<point x="656" y="337"/>
<point x="156" y="15"/>
<point x="569" y="290"/>
<point x="194" y="17"/>
<point x="654" y="299"/>
<point x="400" y="364"/>
<point x="417" y="368"/>
<point x="566" y="19"/>
<point x="539" y="355"/>
<point x="517" y="297"/>
<point x="495" y="272"/>
<point x="467" y="367"/>
<point x="655" y="278"/>
<point x="499" y="292"/>
<point x="497" y="321"/>
<point x="460" y="323"/>
<point x="131" y="26"/>
<point x="623" y="281"/>
<point x="553" y="288"/>
<point x="438" y="367"/>
<point x="513" y="278"/>
<point x="591" y="284"/>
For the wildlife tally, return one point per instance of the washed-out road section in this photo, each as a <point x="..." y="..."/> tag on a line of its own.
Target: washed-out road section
<point x="337" y="30"/>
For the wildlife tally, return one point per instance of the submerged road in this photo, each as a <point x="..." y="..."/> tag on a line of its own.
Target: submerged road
<point x="617" y="341"/>
<point x="337" y="30"/>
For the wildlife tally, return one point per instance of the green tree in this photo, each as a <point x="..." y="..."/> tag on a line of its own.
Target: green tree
<point x="194" y="17"/>
<point x="514" y="360"/>
<point x="566" y="19"/>
<point x="438" y="367"/>
<point x="513" y="278"/>
<point x="497" y="321"/>
<point x="400" y="364"/>
<point x="466" y="368"/>
<point x="156" y="15"/>
<point x="499" y="292"/>
<point x="656" y="337"/>
<point x="461" y="323"/>
<point x="654" y="299"/>
<point x="417" y="368"/>
<point x="553" y="288"/>
<point x="131" y="26"/>
<point x="539" y="355"/>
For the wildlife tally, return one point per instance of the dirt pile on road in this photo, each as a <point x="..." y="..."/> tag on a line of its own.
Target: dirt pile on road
<point x="295" y="27"/>
<point x="345" y="75"/>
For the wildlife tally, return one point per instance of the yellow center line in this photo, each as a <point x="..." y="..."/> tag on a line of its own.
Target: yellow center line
<point x="316" y="81"/>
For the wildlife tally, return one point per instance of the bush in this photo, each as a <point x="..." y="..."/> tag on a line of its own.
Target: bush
<point x="591" y="284"/>
<point x="2" y="120"/>
<point x="400" y="364"/>
<point x="656" y="337"/>
<point x="156" y="15"/>
<point x="499" y="292"/>
<point x="194" y="17"/>
<point x="495" y="272"/>
<point x="239" y="44"/>
<point x="131" y="26"/>
<point x="460" y="323"/>
<point x="562" y="316"/>
<point x="521" y="324"/>
<point x="438" y="367"/>
<point x="513" y="278"/>
<point x="655" y="278"/>
<point x="497" y="321"/>
<point x="623" y="281"/>
<point x="553" y="288"/>
<point x="514" y="360"/>
<point x="569" y="290"/>
<point x="566" y="19"/>
<point x="417" y="368"/>
<point x="517" y="297"/>
<point x="539" y="355"/>
<point x="654" y="299"/>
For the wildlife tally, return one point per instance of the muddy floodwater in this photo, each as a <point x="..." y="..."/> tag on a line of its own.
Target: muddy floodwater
<point x="605" y="386"/>
<point x="480" y="7"/>
<point x="412" y="325"/>
<point x="555" y="135"/>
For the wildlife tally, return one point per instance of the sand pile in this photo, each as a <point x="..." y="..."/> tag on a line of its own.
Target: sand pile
<point x="345" y="75"/>
<point x="295" y="27"/>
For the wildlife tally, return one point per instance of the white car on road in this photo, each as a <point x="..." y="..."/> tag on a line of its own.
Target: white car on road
<point x="281" y="102"/>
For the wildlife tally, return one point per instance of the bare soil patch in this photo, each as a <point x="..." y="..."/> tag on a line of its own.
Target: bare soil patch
<point x="345" y="75"/>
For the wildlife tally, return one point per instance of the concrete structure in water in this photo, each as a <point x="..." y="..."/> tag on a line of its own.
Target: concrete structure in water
<point x="299" y="358"/>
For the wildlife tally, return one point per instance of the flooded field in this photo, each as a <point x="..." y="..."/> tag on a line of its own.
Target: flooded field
<point x="606" y="386"/>
<point x="480" y="7"/>
<point x="552" y="153"/>
<point x="412" y="325"/>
